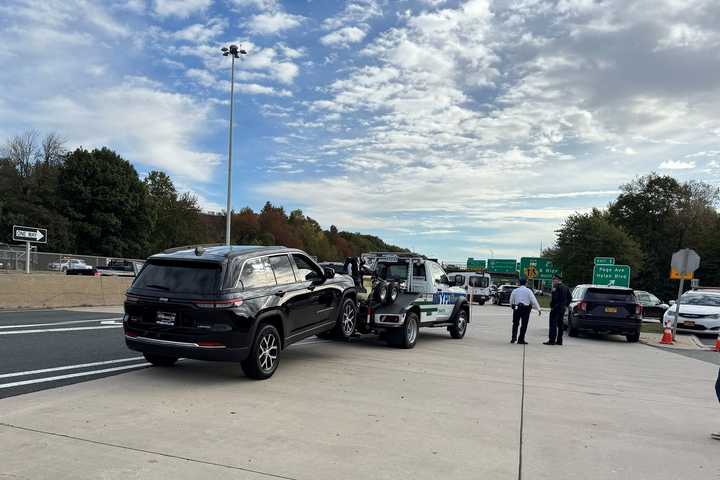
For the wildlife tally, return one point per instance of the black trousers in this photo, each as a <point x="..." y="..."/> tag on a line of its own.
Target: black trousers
<point x="556" y="324"/>
<point x="520" y="314"/>
<point x="717" y="387"/>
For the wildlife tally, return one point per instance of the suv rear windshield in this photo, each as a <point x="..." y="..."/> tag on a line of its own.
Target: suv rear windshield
<point x="481" y="282"/>
<point x="180" y="277"/>
<point x="611" y="294"/>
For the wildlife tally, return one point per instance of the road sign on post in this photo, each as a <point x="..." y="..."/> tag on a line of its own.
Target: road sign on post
<point x="611" y="275"/>
<point x="604" y="260"/>
<point x="536" y="268"/>
<point x="28" y="235"/>
<point x="499" y="265"/>
<point x="682" y="265"/>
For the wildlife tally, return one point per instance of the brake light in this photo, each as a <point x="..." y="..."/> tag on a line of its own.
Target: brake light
<point x="131" y="334"/>
<point x="221" y="304"/>
<point x="638" y="309"/>
<point x="582" y="307"/>
<point x="209" y="344"/>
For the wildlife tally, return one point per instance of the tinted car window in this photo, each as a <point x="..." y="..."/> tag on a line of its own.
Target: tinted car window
<point x="609" y="294"/>
<point x="305" y="267"/>
<point x="419" y="271"/>
<point x="257" y="273"/>
<point x="283" y="269"/>
<point x="396" y="271"/>
<point x="481" y="282"/>
<point x="177" y="277"/>
<point x="699" y="298"/>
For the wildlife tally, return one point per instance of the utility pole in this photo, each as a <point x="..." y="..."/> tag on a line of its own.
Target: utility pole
<point x="234" y="52"/>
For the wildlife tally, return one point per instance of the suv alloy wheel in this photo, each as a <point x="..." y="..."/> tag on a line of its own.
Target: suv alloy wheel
<point x="265" y="354"/>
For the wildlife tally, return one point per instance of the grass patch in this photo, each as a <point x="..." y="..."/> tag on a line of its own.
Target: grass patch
<point x="651" y="328"/>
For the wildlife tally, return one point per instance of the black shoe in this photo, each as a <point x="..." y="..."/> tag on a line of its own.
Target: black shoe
<point x="558" y="343"/>
<point x="512" y="341"/>
<point x="522" y="342"/>
<point x="548" y="343"/>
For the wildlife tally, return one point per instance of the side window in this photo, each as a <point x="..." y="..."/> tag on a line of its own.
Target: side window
<point x="257" y="273"/>
<point x="283" y="269"/>
<point x="654" y="300"/>
<point x="305" y="267"/>
<point x="419" y="271"/>
<point x="576" y="294"/>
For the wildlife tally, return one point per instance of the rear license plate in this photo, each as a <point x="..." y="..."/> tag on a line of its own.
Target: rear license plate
<point x="689" y="323"/>
<point x="610" y="309"/>
<point x="165" y="318"/>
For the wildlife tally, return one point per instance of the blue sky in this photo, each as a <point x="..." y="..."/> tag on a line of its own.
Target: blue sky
<point x="455" y="128"/>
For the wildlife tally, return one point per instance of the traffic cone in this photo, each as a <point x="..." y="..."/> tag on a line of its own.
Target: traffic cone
<point x="667" y="337"/>
<point x="717" y="343"/>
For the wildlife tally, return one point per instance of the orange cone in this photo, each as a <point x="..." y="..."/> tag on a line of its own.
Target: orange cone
<point x="717" y="344"/>
<point x="667" y="337"/>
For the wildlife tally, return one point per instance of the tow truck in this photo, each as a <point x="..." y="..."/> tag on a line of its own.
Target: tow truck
<point x="399" y="293"/>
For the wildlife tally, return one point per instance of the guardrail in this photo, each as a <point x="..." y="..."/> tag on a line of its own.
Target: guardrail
<point x="13" y="259"/>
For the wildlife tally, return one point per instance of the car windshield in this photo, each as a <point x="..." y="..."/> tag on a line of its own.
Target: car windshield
<point x="701" y="298"/>
<point x="609" y="294"/>
<point x="177" y="277"/>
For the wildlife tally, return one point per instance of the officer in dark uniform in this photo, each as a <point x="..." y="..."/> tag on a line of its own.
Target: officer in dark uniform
<point x="559" y="304"/>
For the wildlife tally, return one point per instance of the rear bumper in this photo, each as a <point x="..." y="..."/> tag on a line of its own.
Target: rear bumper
<point x="620" y="326"/>
<point x="170" y="348"/>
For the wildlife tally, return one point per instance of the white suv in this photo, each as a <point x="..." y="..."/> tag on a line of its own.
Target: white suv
<point x="699" y="312"/>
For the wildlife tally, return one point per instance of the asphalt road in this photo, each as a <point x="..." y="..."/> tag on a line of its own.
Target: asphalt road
<point x="49" y="348"/>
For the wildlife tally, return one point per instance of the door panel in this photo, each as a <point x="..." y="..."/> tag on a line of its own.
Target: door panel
<point x="314" y="302"/>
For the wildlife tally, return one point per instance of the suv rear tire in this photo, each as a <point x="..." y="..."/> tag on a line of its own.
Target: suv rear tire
<point x="160" y="360"/>
<point x="264" y="355"/>
<point x="458" y="330"/>
<point x="633" y="337"/>
<point x="347" y="320"/>
<point x="406" y="336"/>
<point x="572" y="331"/>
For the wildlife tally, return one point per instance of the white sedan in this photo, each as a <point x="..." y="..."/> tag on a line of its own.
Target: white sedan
<point x="699" y="312"/>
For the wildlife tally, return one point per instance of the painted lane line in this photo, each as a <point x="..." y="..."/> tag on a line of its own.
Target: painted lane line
<point x="72" y="375"/>
<point x="73" y="329"/>
<point x="69" y="367"/>
<point x="70" y="322"/>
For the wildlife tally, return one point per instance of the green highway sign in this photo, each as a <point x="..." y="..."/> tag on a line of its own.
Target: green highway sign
<point x="475" y="265"/>
<point x="617" y="275"/>
<point x="537" y="268"/>
<point x="604" y="260"/>
<point x="500" y="265"/>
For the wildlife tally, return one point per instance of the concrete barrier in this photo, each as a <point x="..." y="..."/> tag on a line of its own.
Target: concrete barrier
<point x="55" y="291"/>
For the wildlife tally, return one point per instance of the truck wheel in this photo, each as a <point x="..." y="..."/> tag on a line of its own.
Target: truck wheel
<point x="633" y="337"/>
<point x="381" y="292"/>
<point x="572" y="331"/>
<point x="392" y="293"/>
<point x="264" y="355"/>
<point x="347" y="319"/>
<point x="406" y="336"/>
<point x="160" y="360"/>
<point x="458" y="330"/>
<point x="481" y="301"/>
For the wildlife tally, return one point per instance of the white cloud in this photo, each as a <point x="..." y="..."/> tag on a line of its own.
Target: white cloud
<point x="180" y="8"/>
<point x="202" y="33"/>
<point x="345" y="36"/>
<point x="677" y="165"/>
<point x="273" y="23"/>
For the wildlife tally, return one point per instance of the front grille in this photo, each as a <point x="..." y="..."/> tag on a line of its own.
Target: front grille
<point x="695" y="315"/>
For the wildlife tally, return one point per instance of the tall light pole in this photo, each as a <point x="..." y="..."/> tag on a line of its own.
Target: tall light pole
<point x="234" y="52"/>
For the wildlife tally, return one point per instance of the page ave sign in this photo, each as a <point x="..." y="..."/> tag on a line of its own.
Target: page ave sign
<point x="29" y="234"/>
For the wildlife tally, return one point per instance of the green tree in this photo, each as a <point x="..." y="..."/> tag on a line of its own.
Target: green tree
<point x="582" y="237"/>
<point x="106" y="203"/>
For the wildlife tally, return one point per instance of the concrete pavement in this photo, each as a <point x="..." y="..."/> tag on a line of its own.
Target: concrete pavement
<point x="596" y="408"/>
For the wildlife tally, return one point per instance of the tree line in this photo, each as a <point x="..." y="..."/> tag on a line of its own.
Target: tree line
<point x="652" y="217"/>
<point x="93" y="202"/>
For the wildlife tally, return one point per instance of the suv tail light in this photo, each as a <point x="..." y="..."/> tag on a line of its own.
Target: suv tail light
<point x="638" y="309"/>
<point x="582" y="307"/>
<point x="131" y="298"/>
<point x="217" y="305"/>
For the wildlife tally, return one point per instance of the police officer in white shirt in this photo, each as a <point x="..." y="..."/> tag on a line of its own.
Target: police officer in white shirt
<point x="522" y="301"/>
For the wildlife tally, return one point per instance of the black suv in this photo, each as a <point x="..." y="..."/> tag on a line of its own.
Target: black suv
<point x="233" y="303"/>
<point x="603" y="309"/>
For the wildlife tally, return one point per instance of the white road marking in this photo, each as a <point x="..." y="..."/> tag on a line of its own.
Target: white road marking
<point x="71" y="375"/>
<point x="73" y="329"/>
<point x="69" y="367"/>
<point x="69" y="322"/>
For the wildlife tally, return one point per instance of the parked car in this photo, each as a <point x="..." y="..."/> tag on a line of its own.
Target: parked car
<point x="238" y="303"/>
<point x="652" y="306"/>
<point x="605" y="309"/>
<point x="65" y="264"/>
<point x="502" y="295"/>
<point x="699" y="311"/>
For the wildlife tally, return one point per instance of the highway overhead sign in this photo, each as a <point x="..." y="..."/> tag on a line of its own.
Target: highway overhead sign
<point x="537" y="268"/>
<point x="475" y="265"/>
<point x="611" y="275"/>
<point x="684" y="263"/>
<point x="604" y="260"/>
<point x="500" y="265"/>
<point x="29" y="234"/>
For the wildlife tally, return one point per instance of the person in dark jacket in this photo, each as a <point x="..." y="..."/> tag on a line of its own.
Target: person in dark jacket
<point x="716" y="436"/>
<point x="559" y="304"/>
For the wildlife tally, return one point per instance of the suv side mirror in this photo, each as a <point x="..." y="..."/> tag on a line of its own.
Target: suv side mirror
<point x="329" y="272"/>
<point x="314" y="277"/>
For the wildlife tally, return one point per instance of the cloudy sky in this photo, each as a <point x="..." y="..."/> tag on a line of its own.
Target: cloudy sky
<point x="457" y="128"/>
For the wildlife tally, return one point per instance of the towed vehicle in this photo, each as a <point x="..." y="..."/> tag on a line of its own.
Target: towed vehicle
<point x="399" y="293"/>
<point x="653" y="307"/>
<point x="502" y="294"/>
<point x="699" y="312"/>
<point x="604" y="309"/>
<point x="232" y="303"/>
<point x="477" y="285"/>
